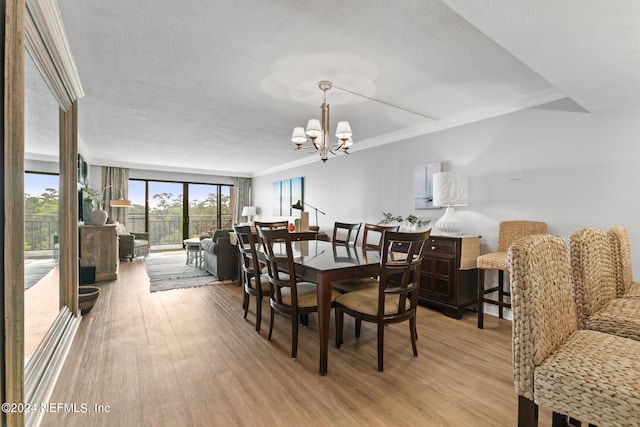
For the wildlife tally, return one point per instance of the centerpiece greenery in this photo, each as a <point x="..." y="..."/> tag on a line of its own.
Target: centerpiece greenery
<point x="411" y="221"/>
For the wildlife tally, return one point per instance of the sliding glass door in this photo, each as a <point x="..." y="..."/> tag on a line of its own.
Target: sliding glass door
<point x="174" y="211"/>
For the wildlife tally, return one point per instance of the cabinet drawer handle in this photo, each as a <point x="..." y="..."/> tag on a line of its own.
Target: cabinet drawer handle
<point x="433" y="248"/>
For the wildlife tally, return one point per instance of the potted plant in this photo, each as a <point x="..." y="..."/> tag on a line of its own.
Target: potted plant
<point x="410" y="223"/>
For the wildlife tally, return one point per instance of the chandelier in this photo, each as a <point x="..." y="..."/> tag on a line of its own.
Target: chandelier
<point x="318" y="131"/>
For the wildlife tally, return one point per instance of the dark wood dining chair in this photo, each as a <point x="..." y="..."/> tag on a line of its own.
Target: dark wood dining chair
<point x="345" y="233"/>
<point x="272" y="225"/>
<point x="373" y="233"/>
<point x="256" y="284"/>
<point x="287" y="295"/>
<point x="397" y="296"/>
<point x="371" y="241"/>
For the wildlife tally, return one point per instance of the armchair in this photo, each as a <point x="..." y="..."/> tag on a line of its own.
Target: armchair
<point x="132" y="245"/>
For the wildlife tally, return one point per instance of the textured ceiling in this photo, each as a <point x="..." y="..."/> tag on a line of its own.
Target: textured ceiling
<point x="217" y="86"/>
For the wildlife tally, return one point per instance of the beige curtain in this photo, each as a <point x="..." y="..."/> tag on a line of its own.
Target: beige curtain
<point x="115" y="185"/>
<point x="242" y="194"/>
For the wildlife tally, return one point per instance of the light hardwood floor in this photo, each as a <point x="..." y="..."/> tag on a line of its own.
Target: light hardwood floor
<point x="188" y="358"/>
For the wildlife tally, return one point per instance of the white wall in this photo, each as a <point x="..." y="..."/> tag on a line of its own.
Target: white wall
<point x="570" y="169"/>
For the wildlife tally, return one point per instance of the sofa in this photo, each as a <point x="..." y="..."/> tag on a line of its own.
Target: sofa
<point x="132" y="245"/>
<point x="220" y="256"/>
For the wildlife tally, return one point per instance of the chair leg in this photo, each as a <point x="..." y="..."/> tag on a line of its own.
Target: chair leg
<point x="258" y="311"/>
<point x="245" y="303"/>
<point x="480" y="298"/>
<point x="527" y="412"/>
<point x="294" y="336"/>
<point x="500" y="292"/>
<point x="304" y="319"/>
<point x="414" y="335"/>
<point x="271" y="323"/>
<point x="339" y="321"/>
<point x="380" y="346"/>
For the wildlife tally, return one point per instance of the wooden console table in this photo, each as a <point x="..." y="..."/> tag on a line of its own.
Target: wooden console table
<point x="99" y="248"/>
<point x="449" y="274"/>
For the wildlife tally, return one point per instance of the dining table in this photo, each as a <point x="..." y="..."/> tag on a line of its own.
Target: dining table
<point x="324" y="262"/>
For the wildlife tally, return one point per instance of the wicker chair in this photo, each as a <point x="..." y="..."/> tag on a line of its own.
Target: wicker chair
<point x="594" y="280"/>
<point x="509" y="232"/>
<point x="621" y="246"/>
<point x="587" y="375"/>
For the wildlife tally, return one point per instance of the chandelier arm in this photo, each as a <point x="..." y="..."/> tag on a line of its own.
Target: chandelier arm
<point x="305" y="147"/>
<point x="385" y="103"/>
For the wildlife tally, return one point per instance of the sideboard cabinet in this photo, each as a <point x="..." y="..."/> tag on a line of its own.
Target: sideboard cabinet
<point x="99" y="248"/>
<point x="449" y="274"/>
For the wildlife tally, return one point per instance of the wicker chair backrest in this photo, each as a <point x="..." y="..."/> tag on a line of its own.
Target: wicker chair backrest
<point x="510" y="231"/>
<point x="594" y="277"/>
<point x="544" y="310"/>
<point x="621" y="252"/>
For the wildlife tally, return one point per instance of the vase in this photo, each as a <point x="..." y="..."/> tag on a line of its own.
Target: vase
<point x="99" y="217"/>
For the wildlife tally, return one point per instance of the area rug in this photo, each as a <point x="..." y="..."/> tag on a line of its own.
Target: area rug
<point x="169" y="271"/>
<point x="36" y="270"/>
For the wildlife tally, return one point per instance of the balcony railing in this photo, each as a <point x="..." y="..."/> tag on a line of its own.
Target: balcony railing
<point x="167" y="229"/>
<point x="163" y="229"/>
<point x="39" y="231"/>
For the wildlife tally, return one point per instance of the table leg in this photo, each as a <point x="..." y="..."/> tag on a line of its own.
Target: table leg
<point x="324" y="315"/>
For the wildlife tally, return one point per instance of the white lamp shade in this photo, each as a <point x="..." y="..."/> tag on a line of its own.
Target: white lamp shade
<point x="298" y="135"/>
<point x="343" y="130"/>
<point x="249" y="211"/>
<point x="314" y="129"/>
<point x="450" y="189"/>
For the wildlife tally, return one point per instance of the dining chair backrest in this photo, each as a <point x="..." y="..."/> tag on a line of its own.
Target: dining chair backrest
<point x="278" y="254"/>
<point x="272" y="225"/>
<point x="400" y="272"/>
<point x="373" y="234"/>
<point x="247" y="243"/>
<point x="346" y="233"/>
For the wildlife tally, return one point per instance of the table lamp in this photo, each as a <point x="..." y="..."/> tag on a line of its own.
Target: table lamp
<point x="450" y="189"/>
<point x="249" y="212"/>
